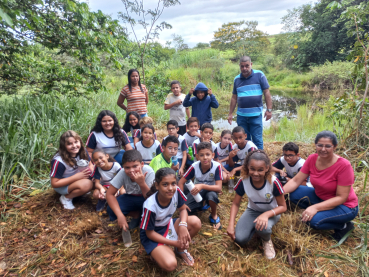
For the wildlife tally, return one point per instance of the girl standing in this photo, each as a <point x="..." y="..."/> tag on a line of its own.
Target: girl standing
<point x="107" y="135"/>
<point x="135" y="93"/>
<point x="159" y="230"/>
<point x="65" y="177"/>
<point x="105" y="170"/>
<point x="148" y="146"/>
<point x="265" y="202"/>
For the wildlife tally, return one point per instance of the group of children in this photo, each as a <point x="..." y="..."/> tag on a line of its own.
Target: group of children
<point x="149" y="183"/>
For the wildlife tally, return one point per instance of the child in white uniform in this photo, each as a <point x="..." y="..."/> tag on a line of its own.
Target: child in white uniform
<point x="148" y="146"/>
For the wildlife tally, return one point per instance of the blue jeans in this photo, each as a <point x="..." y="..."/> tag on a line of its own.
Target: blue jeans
<point x="326" y="220"/>
<point x="253" y="126"/>
<point x="118" y="157"/>
<point x="143" y="115"/>
<point x="131" y="142"/>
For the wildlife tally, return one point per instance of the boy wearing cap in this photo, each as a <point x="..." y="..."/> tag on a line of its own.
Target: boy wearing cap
<point x="202" y="103"/>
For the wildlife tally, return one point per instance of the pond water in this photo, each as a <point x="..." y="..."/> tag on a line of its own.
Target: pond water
<point x="285" y="103"/>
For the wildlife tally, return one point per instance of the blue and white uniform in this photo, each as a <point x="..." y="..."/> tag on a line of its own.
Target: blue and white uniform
<point x="290" y="170"/>
<point x="102" y="141"/>
<point x="190" y="139"/>
<point x="158" y="218"/>
<point x="242" y="153"/>
<point x="105" y="176"/>
<point x="223" y="152"/>
<point x="148" y="153"/>
<point x="213" y="145"/>
<point x="137" y="134"/>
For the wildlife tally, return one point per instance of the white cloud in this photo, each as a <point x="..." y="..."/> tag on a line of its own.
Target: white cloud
<point x="196" y="20"/>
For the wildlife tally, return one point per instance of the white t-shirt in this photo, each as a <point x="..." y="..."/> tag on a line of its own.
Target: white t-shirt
<point x="190" y="139"/>
<point x="209" y="177"/>
<point x="291" y="170"/>
<point x="223" y="152"/>
<point x="242" y="153"/>
<point x="197" y="141"/>
<point x="178" y="112"/>
<point x="148" y="153"/>
<point x="60" y="169"/>
<point x="102" y="141"/>
<point x="105" y="176"/>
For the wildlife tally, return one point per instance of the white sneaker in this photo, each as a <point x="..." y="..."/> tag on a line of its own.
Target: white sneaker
<point x="269" y="251"/>
<point x="66" y="202"/>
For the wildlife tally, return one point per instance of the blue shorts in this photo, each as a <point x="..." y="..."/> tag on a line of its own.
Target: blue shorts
<point x="147" y="243"/>
<point x="127" y="203"/>
<point x="62" y="190"/>
<point x="229" y="168"/>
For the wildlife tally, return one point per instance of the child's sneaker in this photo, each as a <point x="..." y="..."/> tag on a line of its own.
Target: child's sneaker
<point x="100" y="205"/>
<point x="66" y="202"/>
<point x="269" y="251"/>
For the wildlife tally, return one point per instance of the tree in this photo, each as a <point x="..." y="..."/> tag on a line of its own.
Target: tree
<point x="202" y="45"/>
<point x="178" y="42"/>
<point x="54" y="46"/>
<point x="148" y="20"/>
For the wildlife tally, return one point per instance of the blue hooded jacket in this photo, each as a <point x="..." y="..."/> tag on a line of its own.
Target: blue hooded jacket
<point x="201" y="108"/>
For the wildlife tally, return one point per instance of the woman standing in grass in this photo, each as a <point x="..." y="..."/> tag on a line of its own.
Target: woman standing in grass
<point x="331" y="203"/>
<point x="135" y="93"/>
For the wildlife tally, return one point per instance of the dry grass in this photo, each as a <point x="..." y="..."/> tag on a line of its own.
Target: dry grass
<point x="39" y="238"/>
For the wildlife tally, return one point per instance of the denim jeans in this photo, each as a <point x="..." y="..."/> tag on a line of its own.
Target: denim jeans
<point x="325" y="220"/>
<point x="143" y="115"/>
<point x="253" y="126"/>
<point x="118" y="157"/>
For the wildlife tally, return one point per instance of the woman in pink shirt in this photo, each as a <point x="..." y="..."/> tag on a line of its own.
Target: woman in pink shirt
<point x="331" y="203"/>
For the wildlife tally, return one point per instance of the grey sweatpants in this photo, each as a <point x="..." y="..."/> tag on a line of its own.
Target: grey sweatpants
<point x="245" y="227"/>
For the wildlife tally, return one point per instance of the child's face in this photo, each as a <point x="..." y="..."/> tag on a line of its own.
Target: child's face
<point x="207" y="134"/>
<point x="167" y="187"/>
<point x="73" y="146"/>
<point x="205" y="156"/>
<point x="226" y="139"/>
<point x="291" y="157"/>
<point x="133" y="120"/>
<point x="132" y="168"/>
<point x="176" y="89"/>
<point x="193" y="127"/>
<point x="170" y="150"/>
<point x="100" y="159"/>
<point x="200" y="94"/>
<point x="240" y="139"/>
<point x="147" y="134"/>
<point x="257" y="170"/>
<point x="107" y="123"/>
<point x="172" y="130"/>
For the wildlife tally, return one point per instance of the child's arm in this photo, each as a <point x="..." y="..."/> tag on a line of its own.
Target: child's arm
<point x="169" y="106"/>
<point x="188" y="112"/>
<point x="135" y="140"/>
<point x="213" y="101"/>
<point x="57" y="183"/>
<point x="184" y="159"/>
<point x="232" y="154"/>
<point x="262" y="220"/>
<point x="181" y="183"/>
<point x="183" y="235"/>
<point x="186" y="101"/>
<point x="198" y="187"/>
<point x="113" y="204"/>
<point x="234" y="210"/>
<point x="280" y="171"/>
<point x="100" y="188"/>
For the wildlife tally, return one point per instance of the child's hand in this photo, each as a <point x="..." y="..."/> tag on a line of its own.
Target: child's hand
<point x="210" y="91"/>
<point x="178" y="102"/>
<point x="196" y="189"/>
<point x="122" y="222"/>
<point x="139" y="177"/>
<point x="191" y="91"/>
<point x="188" y="157"/>
<point x="233" y="152"/>
<point x="231" y="233"/>
<point x="85" y="174"/>
<point x="183" y="236"/>
<point x="102" y="193"/>
<point x="175" y="167"/>
<point x="180" y="172"/>
<point x="261" y="222"/>
<point x="232" y="173"/>
<point x="283" y="173"/>
<point x="180" y="245"/>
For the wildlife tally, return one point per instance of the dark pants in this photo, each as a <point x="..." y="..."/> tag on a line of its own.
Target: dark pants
<point x="206" y="195"/>
<point x="182" y="130"/>
<point x="127" y="203"/>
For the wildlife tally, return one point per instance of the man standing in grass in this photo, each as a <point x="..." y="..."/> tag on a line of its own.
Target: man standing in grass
<point x="248" y="90"/>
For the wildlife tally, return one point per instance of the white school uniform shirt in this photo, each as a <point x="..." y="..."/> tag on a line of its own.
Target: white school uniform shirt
<point x="242" y="153"/>
<point x="290" y="170"/>
<point x="155" y="215"/>
<point x="262" y="199"/>
<point x="105" y="176"/>
<point x="213" y="145"/>
<point x="102" y="141"/>
<point x="60" y="169"/>
<point x="148" y="153"/>
<point x="190" y="139"/>
<point x="223" y="152"/>
<point x="209" y="177"/>
<point x="182" y="146"/>
<point x="178" y="112"/>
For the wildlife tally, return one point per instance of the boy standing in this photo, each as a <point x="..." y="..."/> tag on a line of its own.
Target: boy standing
<point x="202" y="103"/>
<point x="208" y="182"/>
<point x="137" y="179"/>
<point x="290" y="160"/>
<point x="174" y="102"/>
<point x="169" y="149"/>
<point x="240" y="150"/>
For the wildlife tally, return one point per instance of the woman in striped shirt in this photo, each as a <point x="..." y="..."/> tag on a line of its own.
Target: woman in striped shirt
<point x="135" y="93"/>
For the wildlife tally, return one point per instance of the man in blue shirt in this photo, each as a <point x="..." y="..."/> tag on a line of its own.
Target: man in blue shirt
<point x="248" y="90"/>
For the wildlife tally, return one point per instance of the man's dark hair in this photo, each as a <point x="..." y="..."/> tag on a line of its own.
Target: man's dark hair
<point x="170" y="139"/>
<point x="173" y="122"/>
<point x="131" y="156"/>
<point x="207" y="126"/>
<point x="238" y="129"/>
<point x="192" y="120"/>
<point x="204" y="145"/>
<point x="290" y="146"/>
<point x="175" y="82"/>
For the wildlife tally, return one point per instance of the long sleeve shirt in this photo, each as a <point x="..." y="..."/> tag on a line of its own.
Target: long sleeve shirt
<point x="201" y="108"/>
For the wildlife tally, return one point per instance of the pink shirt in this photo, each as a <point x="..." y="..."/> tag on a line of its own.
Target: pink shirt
<point x="325" y="181"/>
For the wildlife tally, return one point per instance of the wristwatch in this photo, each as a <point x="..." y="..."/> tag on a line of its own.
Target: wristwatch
<point x="269" y="110"/>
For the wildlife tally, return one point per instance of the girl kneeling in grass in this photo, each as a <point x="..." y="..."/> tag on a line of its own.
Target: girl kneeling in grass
<point x="265" y="202"/>
<point x="159" y="230"/>
<point x="65" y="177"/>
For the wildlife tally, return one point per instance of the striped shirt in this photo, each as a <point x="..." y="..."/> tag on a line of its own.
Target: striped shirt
<point x="136" y="100"/>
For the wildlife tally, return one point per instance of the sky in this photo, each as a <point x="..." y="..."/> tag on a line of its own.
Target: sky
<point x="196" y="21"/>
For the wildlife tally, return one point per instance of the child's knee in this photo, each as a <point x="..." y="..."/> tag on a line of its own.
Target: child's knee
<point x="194" y="222"/>
<point x="95" y="194"/>
<point x="169" y="264"/>
<point x="267" y="231"/>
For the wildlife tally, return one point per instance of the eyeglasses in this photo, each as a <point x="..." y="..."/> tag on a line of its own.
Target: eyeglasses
<point x="288" y="156"/>
<point x="328" y="146"/>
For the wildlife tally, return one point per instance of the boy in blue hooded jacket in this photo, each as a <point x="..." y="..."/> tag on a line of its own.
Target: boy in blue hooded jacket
<point x="202" y="103"/>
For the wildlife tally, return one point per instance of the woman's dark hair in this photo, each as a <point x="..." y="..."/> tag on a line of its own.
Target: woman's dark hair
<point x="225" y="132"/>
<point x="127" y="126"/>
<point x="147" y="126"/>
<point x="258" y="155"/>
<point x="159" y="175"/>
<point x="129" y="79"/>
<point x="110" y="158"/>
<point x="327" y="134"/>
<point x="118" y="136"/>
